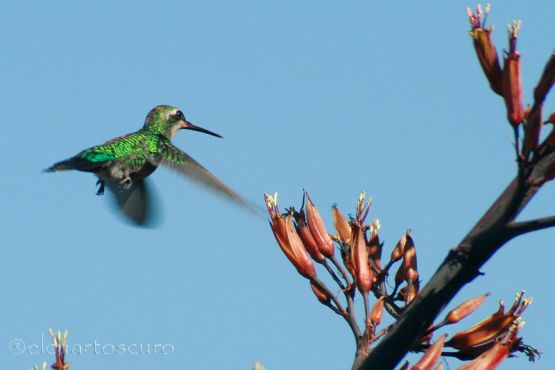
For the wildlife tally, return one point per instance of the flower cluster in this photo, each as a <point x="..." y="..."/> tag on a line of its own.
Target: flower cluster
<point x="507" y="83"/>
<point x="60" y="348"/>
<point x="305" y="241"/>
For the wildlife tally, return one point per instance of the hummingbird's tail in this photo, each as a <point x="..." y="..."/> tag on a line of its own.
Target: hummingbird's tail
<point x="74" y="163"/>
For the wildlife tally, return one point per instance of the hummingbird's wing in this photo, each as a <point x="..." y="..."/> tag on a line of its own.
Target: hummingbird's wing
<point x="173" y="158"/>
<point x="136" y="203"/>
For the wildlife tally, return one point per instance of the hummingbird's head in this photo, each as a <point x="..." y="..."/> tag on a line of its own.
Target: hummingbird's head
<point x="167" y="120"/>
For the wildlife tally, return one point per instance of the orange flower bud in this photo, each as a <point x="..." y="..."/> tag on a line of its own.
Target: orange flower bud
<point x="512" y="84"/>
<point x="485" y="50"/>
<point x="322" y="296"/>
<point x="431" y="356"/>
<point x="318" y="229"/>
<point x="341" y="225"/>
<point x="307" y="238"/>
<point x="546" y="80"/>
<point x="288" y="239"/>
<point x="465" y="309"/>
<point x="363" y="273"/>
<point x="377" y="312"/>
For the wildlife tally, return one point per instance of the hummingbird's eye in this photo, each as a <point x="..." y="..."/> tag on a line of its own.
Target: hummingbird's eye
<point x="179" y="115"/>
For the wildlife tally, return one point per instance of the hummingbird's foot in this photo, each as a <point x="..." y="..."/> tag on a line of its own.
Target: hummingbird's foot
<point x="100" y="184"/>
<point x="125" y="184"/>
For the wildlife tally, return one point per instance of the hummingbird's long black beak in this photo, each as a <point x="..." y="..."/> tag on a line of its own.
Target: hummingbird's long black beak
<point x="190" y="126"/>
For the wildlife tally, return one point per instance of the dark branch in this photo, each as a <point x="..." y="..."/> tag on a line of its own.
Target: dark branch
<point x="460" y="267"/>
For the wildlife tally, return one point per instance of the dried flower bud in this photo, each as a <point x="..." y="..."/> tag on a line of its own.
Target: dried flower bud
<point x="317" y="228"/>
<point x="512" y="84"/>
<point x="399" y="249"/>
<point x="377" y="312"/>
<point x="485" y="50"/>
<point x="375" y="251"/>
<point x="431" y="356"/>
<point x="409" y="259"/>
<point x="465" y="309"/>
<point x="341" y="225"/>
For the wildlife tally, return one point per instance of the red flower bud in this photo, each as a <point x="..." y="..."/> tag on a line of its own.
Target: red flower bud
<point x="465" y="309"/>
<point x="431" y="356"/>
<point x="491" y="327"/>
<point x="485" y="50"/>
<point x="289" y="240"/>
<point x="491" y="358"/>
<point x="318" y="229"/>
<point x="364" y="275"/>
<point x="322" y="296"/>
<point x="307" y="238"/>
<point x="512" y="84"/>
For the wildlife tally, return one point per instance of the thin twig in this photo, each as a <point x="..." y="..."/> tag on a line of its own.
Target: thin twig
<point x="523" y="227"/>
<point x="333" y="274"/>
<point x="348" y="317"/>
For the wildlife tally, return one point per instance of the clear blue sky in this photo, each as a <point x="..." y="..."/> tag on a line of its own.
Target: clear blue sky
<point x="334" y="97"/>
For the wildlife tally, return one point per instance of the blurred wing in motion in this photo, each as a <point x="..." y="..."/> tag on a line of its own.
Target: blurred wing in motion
<point x="136" y="204"/>
<point x="176" y="160"/>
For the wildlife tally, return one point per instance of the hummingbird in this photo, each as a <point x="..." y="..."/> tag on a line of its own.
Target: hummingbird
<point x="123" y="163"/>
